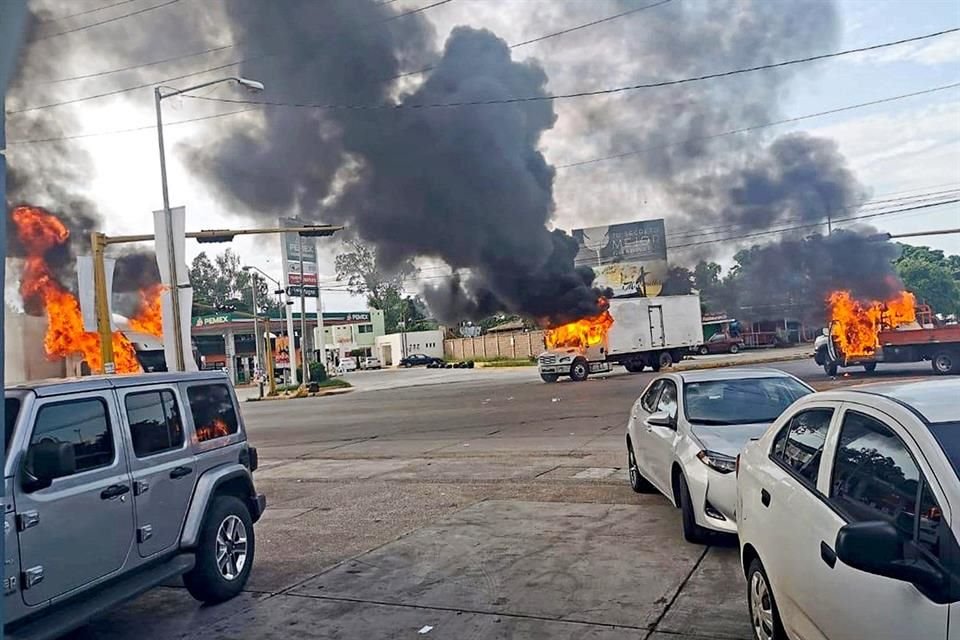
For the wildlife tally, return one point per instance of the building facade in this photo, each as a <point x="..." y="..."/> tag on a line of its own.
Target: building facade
<point x="391" y="348"/>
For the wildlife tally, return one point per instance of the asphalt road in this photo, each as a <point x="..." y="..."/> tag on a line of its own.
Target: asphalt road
<point x="482" y="504"/>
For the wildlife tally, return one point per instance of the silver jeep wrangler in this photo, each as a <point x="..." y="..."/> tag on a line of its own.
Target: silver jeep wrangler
<point x="116" y="484"/>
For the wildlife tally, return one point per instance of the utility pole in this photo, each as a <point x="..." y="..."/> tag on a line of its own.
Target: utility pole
<point x="98" y="242"/>
<point x="305" y="376"/>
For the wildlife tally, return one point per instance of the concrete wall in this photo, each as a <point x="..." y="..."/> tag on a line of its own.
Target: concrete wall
<point x="516" y="344"/>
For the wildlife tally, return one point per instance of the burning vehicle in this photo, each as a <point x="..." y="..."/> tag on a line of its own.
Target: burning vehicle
<point x="137" y="342"/>
<point x="633" y="332"/>
<point x="865" y="333"/>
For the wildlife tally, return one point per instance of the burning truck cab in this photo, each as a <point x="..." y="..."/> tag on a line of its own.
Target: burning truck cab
<point x="632" y="332"/>
<point x="896" y="330"/>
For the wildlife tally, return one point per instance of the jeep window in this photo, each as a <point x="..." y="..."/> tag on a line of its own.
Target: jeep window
<point x="11" y="410"/>
<point x="155" y="424"/>
<point x="81" y="423"/>
<point x="214" y="415"/>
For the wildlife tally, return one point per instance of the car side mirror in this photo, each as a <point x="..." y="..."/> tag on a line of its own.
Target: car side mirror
<point x="660" y="419"/>
<point x="876" y="547"/>
<point x="47" y="461"/>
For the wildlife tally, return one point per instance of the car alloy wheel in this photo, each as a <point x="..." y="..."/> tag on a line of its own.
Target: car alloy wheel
<point x="634" y="472"/>
<point x="761" y="607"/>
<point x="231" y="547"/>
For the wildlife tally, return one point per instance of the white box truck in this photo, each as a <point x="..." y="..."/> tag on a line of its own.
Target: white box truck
<point x="646" y="332"/>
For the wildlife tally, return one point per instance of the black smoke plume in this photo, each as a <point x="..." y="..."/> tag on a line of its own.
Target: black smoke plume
<point x="51" y="174"/>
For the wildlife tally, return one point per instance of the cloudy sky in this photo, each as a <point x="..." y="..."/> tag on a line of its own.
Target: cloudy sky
<point x="903" y="149"/>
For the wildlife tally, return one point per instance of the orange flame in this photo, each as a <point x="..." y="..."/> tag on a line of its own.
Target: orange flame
<point x="586" y="332"/>
<point x="38" y="232"/>
<point x="856" y="325"/>
<point x="216" y="429"/>
<point x="149" y="318"/>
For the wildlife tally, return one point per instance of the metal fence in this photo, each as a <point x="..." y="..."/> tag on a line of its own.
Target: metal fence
<point x="515" y="344"/>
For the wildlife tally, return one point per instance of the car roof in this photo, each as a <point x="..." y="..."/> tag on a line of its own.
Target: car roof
<point x="934" y="400"/>
<point x="60" y="386"/>
<point x="731" y="374"/>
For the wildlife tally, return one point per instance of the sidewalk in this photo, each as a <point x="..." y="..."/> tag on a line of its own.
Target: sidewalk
<point x="748" y="357"/>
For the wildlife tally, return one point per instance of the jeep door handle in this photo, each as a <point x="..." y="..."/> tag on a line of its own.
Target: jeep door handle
<point x="180" y="472"/>
<point x="765" y="497"/>
<point x="114" y="491"/>
<point x="828" y="555"/>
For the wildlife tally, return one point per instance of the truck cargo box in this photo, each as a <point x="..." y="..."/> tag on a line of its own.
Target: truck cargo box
<point x="647" y="324"/>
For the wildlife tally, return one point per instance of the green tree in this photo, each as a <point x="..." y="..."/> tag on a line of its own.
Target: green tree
<point x="931" y="282"/>
<point x="364" y="277"/>
<point x="222" y="283"/>
<point x="679" y="282"/>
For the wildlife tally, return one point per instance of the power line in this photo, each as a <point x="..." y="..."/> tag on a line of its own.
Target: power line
<point x="811" y="225"/>
<point x="774" y="123"/>
<point x="590" y="24"/>
<point x="102" y="22"/>
<point x="563" y="166"/>
<point x="689" y="232"/>
<point x="191" y="74"/>
<point x="98" y="74"/>
<point x="583" y="94"/>
<point x="83" y="13"/>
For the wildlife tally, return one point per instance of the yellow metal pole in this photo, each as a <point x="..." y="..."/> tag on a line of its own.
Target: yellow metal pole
<point x="101" y="299"/>
<point x="269" y="352"/>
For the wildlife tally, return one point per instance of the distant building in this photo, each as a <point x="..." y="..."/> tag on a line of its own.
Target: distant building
<point x="392" y="347"/>
<point x="226" y="340"/>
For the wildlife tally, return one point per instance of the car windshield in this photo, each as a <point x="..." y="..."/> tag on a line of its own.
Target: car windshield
<point x="947" y="435"/>
<point x="740" y="401"/>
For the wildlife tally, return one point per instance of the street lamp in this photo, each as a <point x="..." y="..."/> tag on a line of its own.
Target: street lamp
<point x="159" y="94"/>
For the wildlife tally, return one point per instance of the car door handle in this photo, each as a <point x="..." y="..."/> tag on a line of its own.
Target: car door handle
<point x="114" y="491"/>
<point x="765" y="497"/>
<point x="180" y="472"/>
<point x="828" y="555"/>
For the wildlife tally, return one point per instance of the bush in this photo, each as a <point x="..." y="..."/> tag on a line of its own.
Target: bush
<point x="318" y="372"/>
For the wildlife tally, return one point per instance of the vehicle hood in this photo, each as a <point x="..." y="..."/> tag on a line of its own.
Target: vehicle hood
<point x="727" y="439"/>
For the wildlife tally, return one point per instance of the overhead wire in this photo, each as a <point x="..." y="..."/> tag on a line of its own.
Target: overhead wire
<point x="102" y="22"/>
<point x="585" y="93"/>
<point x="85" y="12"/>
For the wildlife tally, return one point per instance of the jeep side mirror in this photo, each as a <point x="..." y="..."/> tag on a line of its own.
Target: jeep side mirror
<point x="877" y="547"/>
<point x="47" y="461"/>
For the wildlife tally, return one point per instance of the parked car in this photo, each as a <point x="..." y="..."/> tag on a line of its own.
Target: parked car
<point x="370" y="362"/>
<point x="721" y="343"/>
<point x="118" y="484"/>
<point x="849" y="513"/>
<point x="685" y="432"/>
<point x="420" y="359"/>
<point x="347" y="365"/>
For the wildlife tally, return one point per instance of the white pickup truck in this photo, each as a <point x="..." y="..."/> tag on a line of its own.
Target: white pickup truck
<point x="646" y="332"/>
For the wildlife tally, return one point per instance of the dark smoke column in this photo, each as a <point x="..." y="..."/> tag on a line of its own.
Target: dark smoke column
<point x="469" y="185"/>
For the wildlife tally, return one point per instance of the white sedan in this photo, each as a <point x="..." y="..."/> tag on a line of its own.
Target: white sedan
<point x="848" y="514"/>
<point x="686" y="430"/>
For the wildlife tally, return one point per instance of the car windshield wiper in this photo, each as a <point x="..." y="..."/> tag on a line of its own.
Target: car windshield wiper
<point x="710" y="421"/>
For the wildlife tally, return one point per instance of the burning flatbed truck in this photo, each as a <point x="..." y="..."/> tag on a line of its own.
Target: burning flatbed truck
<point x="633" y="332"/>
<point x="897" y="330"/>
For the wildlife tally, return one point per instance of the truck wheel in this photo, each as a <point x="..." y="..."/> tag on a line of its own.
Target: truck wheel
<point x="830" y="368"/>
<point x="633" y="366"/>
<point x="549" y="377"/>
<point x="225" y="552"/>
<point x="870" y="367"/>
<point x="579" y="370"/>
<point x="703" y="350"/>
<point x="944" y="363"/>
<point x="820" y="357"/>
<point x="663" y="360"/>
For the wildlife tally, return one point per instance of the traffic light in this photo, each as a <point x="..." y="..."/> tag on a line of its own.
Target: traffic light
<point x="317" y="231"/>
<point x="209" y="236"/>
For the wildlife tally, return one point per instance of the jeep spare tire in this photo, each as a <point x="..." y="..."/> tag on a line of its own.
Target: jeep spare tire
<point x="225" y="551"/>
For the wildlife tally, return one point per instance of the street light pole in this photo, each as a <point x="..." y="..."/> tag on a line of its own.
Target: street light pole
<point x="304" y="377"/>
<point x="175" y="285"/>
<point x="256" y="333"/>
<point x="171" y="243"/>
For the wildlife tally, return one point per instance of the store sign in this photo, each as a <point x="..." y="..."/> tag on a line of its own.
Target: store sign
<point x="206" y="321"/>
<point x="292" y="246"/>
<point x="349" y="316"/>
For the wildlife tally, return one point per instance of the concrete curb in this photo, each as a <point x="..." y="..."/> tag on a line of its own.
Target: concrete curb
<point x="694" y="366"/>
<point x="318" y="394"/>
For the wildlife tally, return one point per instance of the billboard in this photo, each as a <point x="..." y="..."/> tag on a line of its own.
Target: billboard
<point x="291" y="261"/>
<point x="629" y="258"/>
